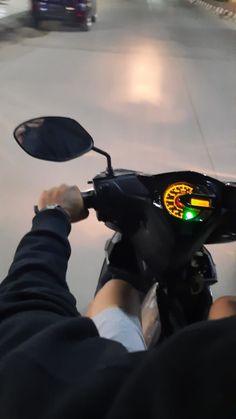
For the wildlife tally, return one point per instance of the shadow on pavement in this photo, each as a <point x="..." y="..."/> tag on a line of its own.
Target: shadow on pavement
<point x="17" y="27"/>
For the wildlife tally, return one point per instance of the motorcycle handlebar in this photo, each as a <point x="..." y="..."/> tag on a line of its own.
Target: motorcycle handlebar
<point x="229" y="197"/>
<point x="89" y="198"/>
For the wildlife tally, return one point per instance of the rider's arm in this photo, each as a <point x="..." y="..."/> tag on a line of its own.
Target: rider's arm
<point x="36" y="279"/>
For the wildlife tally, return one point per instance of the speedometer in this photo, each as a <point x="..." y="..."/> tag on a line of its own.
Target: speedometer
<point x="173" y="204"/>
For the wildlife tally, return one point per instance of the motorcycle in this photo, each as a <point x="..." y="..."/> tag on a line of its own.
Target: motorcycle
<point x="162" y="222"/>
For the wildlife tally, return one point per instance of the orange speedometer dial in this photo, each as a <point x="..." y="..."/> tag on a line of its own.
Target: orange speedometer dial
<point x="171" y="198"/>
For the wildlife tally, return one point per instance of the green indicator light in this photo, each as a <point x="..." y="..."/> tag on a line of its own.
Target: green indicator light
<point x="189" y="214"/>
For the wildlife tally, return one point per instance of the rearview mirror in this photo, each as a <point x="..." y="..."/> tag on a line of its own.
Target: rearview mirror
<point x="53" y="138"/>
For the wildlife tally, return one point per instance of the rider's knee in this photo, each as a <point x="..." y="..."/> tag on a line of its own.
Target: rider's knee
<point x="223" y="307"/>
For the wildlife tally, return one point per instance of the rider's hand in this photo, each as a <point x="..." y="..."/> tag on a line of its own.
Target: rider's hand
<point x="68" y="197"/>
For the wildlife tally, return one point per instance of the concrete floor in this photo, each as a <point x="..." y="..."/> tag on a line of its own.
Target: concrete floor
<point x="154" y="82"/>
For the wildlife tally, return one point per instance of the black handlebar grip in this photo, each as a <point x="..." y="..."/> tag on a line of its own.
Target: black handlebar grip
<point x="89" y="198"/>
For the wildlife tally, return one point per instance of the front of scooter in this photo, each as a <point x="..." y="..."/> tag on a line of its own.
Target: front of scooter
<point x="167" y="217"/>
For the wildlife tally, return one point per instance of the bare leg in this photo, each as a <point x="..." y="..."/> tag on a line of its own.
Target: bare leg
<point x="116" y="293"/>
<point x="223" y="307"/>
<point x="116" y="312"/>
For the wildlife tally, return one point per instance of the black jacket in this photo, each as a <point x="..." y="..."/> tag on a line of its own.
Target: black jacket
<point x="53" y="364"/>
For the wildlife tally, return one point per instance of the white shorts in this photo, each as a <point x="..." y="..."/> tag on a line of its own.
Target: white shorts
<point x="113" y="323"/>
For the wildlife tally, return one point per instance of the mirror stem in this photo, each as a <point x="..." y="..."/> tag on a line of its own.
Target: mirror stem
<point x="108" y="157"/>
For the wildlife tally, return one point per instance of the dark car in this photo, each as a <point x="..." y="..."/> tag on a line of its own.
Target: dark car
<point x="82" y="12"/>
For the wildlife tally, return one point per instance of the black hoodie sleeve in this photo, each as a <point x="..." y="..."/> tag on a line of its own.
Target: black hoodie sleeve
<point x="36" y="279"/>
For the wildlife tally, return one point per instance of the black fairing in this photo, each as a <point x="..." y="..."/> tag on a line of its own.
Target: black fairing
<point x="126" y="203"/>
